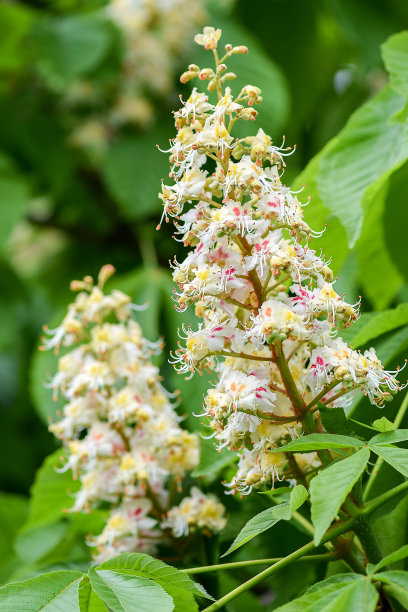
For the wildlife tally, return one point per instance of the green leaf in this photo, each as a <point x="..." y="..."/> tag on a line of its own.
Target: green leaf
<point x="68" y="47"/>
<point x="383" y="425"/>
<point x="54" y="592"/>
<point x="212" y="461"/>
<point x="389" y="437"/>
<point x="395" y="584"/>
<point x="298" y="497"/>
<point x="256" y="525"/>
<point x="14" y="197"/>
<point x="395" y="55"/>
<point x="396" y="457"/>
<point x="126" y="593"/>
<point x="51" y="494"/>
<point x="13" y="512"/>
<point x="351" y="165"/>
<point x="132" y="172"/>
<point x="34" y="544"/>
<point x="150" y="567"/>
<point x="89" y="601"/>
<point x="380" y="323"/>
<point x="379" y="274"/>
<point x="391" y="528"/>
<point x="393" y="346"/>
<point x="339" y="593"/>
<point x="397" y="555"/>
<point x="15" y="22"/>
<point x="268" y="518"/>
<point x="330" y="487"/>
<point x="320" y="441"/>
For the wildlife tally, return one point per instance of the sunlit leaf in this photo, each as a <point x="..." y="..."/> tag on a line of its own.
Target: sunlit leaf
<point x="330" y="487"/>
<point x="268" y="518"/>
<point x="54" y="592"/>
<point x="396" y="457"/>
<point x="126" y="593"/>
<point x="340" y="593"/>
<point x="320" y="441"/>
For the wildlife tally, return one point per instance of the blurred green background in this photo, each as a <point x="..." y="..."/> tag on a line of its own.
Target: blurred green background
<point x="85" y="99"/>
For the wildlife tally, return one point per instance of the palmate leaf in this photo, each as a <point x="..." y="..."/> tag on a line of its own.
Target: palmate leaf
<point x="126" y="593"/>
<point x="70" y="46"/>
<point x="395" y="55"/>
<point x="389" y="437"/>
<point x="144" y="565"/>
<point x="54" y="592"/>
<point x="320" y="441"/>
<point x="268" y="518"/>
<point x="340" y="593"/>
<point x="89" y="601"/>
<point x="330" y="487"/>
<point x="378" y="273"/>
<point x="394" y="456"/>
<point x="351" y="165"/>
<point x="395" y="584"/>
<point x="397" y="555"/>
<point x="379" y="323"/>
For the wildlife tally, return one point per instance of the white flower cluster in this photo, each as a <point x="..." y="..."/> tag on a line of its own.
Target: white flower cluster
<point x="155" y="34"/>
<point x="270" y="312"/>
<point x="121" y="432"/>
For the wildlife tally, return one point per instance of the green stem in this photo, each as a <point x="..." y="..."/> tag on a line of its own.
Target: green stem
<point x="367" y="537"/>
<point x="330" y="535"/>
<point x="397" y="422"/>
<point x="238" y="564"/>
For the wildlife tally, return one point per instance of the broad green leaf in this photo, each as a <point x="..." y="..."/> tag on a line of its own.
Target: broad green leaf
<point x="52" y="592"/>
<point x="395" y="55"/>
<point x="298" y="496"/>
<point x="51" y="494"/>
<point x="68" y="47"/>
<point x="391" y="528"/>
<point x="132" y="172"/>
<point x="333" y="242"/>
<point x="393" y="346"/>
<point x="401" y="553"/>
<point x="318" y="442"/>
<point x="14" y="197"/>
<point x="380" y="323"/>
<point x="396" y="457"/>
<point x="383" y="425"/>
<point x="256" y="525"/>
<point x="268" y="518"/>
<point x="395" y="583"/>
<point x="126" y="593"/>
<point x="339" y="593"/>
<point x="396" y="219"/>
<point x="34" y="544"/>
<point x="330" y="487"/>
<point x="13" y="512"/>
<point x="379" y="275"/>
<point x="212" y="461"/>
<point x="89" y="601"/>
<point x="351" y="165"/>
<point x="155" y="569"/>
<point x="15" y="23"/>
<point x="389" y="437"/>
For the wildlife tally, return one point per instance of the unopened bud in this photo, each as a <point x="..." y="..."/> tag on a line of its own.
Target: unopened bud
<point x="240" y="50"/>
<point x="105" y="273"/>
<point x="229" y="76"/>
<point x="206" y="73"/>
<point x="187" y="76"/>
<point x="228" y="48"/>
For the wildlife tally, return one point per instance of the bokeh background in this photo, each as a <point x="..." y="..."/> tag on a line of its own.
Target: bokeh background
<point x="86" y="93"/>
